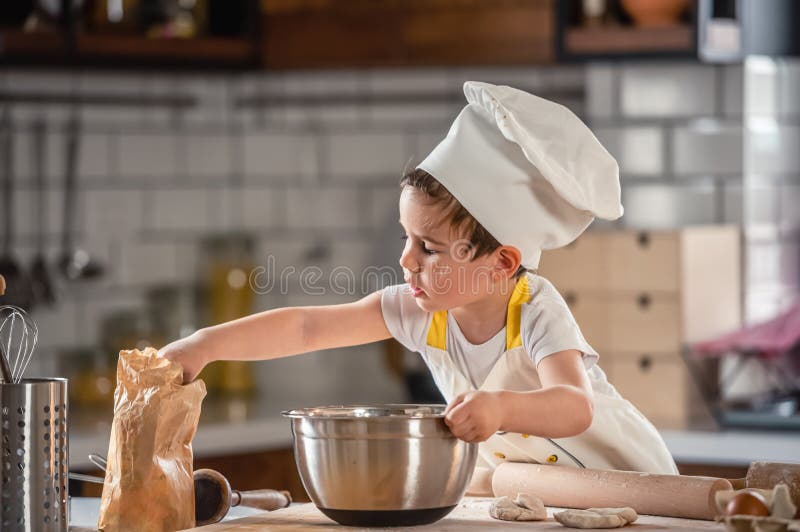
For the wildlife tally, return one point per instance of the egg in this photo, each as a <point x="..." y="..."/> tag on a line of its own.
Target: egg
<point x="747" y="503"/>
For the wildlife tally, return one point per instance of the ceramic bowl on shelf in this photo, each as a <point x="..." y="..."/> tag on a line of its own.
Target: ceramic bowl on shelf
<point x="655" y="13"/>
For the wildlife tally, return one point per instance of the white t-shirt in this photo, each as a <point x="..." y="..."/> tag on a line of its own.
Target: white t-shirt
<point x="547" y="326"/>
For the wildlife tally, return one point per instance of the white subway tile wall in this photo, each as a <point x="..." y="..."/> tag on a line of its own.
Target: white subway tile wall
<point x="348" y="158"/>
<point x="706" y="146"/>
<point x="639" y="150"/>
<point x="602" y="101"/>
<point x="771" y="116"/>
<point x="280" y="155"/>
<point x="316" y="185"/>
<point x="676" y="136"/>
<point x="668" y="91"/>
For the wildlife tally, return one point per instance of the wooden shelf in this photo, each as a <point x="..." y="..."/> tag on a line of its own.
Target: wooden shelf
<point x="100" y="49"/>
<point x="302" y="34"/>
<point x="216" y="50"/>
<point x="19" y="44"/>
<point x="628" y="41"/>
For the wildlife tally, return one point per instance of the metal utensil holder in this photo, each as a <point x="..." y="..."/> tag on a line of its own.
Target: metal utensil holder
<point x="34" y="459"/>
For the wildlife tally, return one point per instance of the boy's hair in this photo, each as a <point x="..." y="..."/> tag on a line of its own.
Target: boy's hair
<point x="480" y="240"/>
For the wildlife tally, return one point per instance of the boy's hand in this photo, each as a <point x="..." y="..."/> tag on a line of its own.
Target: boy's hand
<point x="191" y="352"/>
<point x="474" y="416"/>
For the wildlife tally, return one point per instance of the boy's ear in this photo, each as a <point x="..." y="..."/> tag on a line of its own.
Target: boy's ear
<point x="509" y="259"/>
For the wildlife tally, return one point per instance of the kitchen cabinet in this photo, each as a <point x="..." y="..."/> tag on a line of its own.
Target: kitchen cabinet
<point x="640" y="297"/>
<point x="395" y="33"/>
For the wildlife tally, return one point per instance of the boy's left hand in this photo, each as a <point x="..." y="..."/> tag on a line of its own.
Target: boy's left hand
<point x="474" y="416"/>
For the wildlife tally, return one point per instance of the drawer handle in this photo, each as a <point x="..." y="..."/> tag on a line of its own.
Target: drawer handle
<point x="644" y="301"/>
<point x="570" y="298"/>
<point x="643" y="239"/>
<point x="645" y="362"/>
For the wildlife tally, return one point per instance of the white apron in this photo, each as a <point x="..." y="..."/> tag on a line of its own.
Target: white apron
<point x="620" y="437"/>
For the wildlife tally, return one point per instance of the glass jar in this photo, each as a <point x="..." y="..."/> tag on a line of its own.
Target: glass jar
<point x="227" y="261"/>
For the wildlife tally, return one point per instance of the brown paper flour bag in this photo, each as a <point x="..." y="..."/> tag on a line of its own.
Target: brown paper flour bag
<point x="148" y="485"/>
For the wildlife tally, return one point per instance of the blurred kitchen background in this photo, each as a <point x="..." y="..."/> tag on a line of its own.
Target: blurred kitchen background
<point x="155" y="152"/>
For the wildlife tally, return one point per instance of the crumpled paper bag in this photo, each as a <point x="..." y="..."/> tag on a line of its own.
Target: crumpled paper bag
<point x="148" y="485"/>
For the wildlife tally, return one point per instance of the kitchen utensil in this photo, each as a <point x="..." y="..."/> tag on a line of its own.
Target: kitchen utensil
<point x="18" y="336"/>
<point x="666" y="495"/>
<point x="18" y="288"/>
<point x="5" y="369"/>
<point x="383" y="465"/>
<point x="34" y="458"/>
<point x="86" y="478"/>
<point x="75" y="263"/>
<point x="40" y="279"/>
<point x="99" y="461"/>
<point x="213" y="497"/>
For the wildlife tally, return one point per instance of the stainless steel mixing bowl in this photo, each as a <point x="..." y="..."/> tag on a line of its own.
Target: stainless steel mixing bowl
<point x="384" y="465"/>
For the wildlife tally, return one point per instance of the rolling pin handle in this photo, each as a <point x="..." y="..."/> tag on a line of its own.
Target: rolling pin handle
<point x="265" y="499"/>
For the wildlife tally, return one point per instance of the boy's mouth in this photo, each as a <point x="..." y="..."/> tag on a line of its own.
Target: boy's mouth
<point x="417" y="291"/>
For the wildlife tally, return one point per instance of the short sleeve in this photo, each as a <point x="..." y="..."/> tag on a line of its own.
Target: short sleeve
<point x="550" y="327"/>
<point x="407" y="323"/>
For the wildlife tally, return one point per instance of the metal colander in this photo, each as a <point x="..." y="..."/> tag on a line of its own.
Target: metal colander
<point x="34" y="459"/>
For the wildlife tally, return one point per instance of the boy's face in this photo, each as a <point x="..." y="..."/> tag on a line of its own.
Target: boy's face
<point x="437" y="261"/>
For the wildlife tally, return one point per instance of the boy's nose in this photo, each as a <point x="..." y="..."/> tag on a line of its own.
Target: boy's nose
<point x="407" y="263"/>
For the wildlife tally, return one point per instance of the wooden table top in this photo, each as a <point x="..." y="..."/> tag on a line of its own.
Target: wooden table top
<point x="471" y="514"/>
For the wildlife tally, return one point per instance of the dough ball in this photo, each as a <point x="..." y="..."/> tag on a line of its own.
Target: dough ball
<point x="533" y="505"/>
<point x="627" y="513"/>
<point x="595" y="517"/>
<point x="504" y="509"/>
<point x="523" y="509"/>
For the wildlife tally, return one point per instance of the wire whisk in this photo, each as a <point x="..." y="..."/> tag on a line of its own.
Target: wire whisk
<point x="18" y="337"/>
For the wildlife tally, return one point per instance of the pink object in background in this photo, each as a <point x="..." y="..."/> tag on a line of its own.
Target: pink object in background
<point x="769" y="339"/>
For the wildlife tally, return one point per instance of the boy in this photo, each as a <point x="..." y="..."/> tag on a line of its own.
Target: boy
<point x="515" y="175"/>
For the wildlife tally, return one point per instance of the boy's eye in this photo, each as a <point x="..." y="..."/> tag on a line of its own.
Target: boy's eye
<point x="422" y="245"/>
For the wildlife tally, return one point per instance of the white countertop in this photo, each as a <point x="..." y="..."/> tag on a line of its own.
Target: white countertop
<point x="234" y="427"/>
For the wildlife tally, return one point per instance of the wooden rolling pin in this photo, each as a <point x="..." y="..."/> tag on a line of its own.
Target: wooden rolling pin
<point x="665" y="495"/>
<point x="213" y="497"/>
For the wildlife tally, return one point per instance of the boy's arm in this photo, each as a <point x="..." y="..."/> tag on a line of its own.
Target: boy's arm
<point x="563" y="407"/>
<point x="281" y="332"/>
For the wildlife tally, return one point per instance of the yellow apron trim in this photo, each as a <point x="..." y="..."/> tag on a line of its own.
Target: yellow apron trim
<point x="437" y="332"/>
<point x="521" y="295"/>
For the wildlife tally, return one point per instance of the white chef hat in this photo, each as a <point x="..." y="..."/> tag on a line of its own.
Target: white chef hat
<point x="531" y="173"/>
